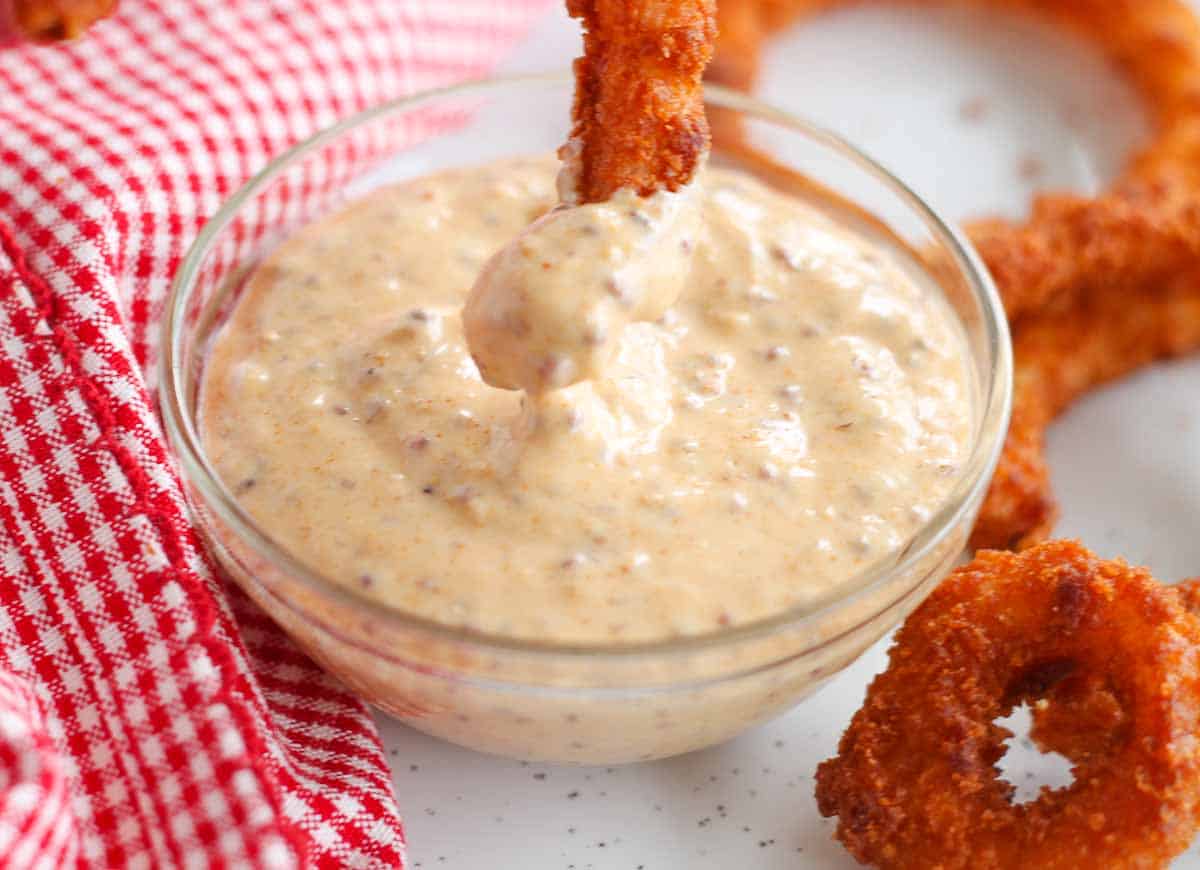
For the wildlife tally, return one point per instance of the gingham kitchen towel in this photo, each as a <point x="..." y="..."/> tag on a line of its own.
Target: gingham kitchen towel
<point x="149" y="715"/>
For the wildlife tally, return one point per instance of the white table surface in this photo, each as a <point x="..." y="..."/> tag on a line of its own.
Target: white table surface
<point x="974" y="117"/>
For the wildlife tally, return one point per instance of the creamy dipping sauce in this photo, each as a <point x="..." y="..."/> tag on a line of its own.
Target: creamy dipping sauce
<point x="549" y="309"/>
<point x="798" y="413"/>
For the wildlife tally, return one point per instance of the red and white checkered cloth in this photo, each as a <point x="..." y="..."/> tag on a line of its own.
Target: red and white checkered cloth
<point x="149" y="715"/>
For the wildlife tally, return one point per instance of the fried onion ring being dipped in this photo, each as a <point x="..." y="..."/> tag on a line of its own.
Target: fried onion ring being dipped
<point x="638" y="137"/>
<point x="638" y="117"/>
<point x="915" y="782"/>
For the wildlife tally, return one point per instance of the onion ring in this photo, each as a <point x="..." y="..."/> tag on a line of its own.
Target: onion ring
<point x="1059" y="355"/>
<point x="915" y="782"/>
<point x="638" y="116"/>
<point x="1079" y="716"/>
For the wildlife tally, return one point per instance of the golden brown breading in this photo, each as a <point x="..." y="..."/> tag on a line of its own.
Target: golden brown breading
<point x="1189" y="594"/>
<point x="1146" y="226"/>
<point x="639" y="104"/>
<point x="1081" y="715"/>
<point x="1058" y="356"/>
<point x="915" y="783"/>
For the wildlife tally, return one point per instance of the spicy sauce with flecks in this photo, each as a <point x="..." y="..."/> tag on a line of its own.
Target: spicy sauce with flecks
<point x="799" y="412"/>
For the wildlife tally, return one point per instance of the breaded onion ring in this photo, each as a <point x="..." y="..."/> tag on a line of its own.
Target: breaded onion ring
<point x="915" y="782"/>
<point x="638" y="117"/>
<point x="1058" y="357"/>
<point x="1147" y="225"/>
<point x="1081" y="715"/>
<point x="638" y="136"/>
<point x="1149" y="220"/>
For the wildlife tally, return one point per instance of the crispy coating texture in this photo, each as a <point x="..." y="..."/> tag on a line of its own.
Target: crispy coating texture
<point x="1079" y="718"/>
<point x="1059" y="355"/>
<point x="51" y="20"/>
<point x="1081" y="715"/>
<point x="1094" y="287"/>
<point x="1189" y="594"/>
<point x="915" y="783"/>
<point x="638" y="117"/>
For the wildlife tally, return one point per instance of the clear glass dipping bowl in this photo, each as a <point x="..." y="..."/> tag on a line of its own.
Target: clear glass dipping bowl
<point x="582" y="704"/>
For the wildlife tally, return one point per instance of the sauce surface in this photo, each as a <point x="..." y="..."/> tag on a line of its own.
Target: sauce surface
<point x="798" y="413"/>
<point x="550" y="308"/>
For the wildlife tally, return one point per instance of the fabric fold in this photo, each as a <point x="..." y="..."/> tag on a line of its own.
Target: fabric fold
<point x="150" y="715"/>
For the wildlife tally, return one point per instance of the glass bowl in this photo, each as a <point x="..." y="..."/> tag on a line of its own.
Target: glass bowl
<point x="596" y="704"/>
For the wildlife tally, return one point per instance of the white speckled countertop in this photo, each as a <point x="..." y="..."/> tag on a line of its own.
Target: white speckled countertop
<point x="972" y="128"/>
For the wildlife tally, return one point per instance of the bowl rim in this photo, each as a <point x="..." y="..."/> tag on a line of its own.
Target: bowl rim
<point x="186" y="443"/>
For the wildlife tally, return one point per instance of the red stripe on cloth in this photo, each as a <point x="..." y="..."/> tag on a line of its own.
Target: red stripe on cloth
<point x="149" y="729"/>
<point x="39" y="323"/>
